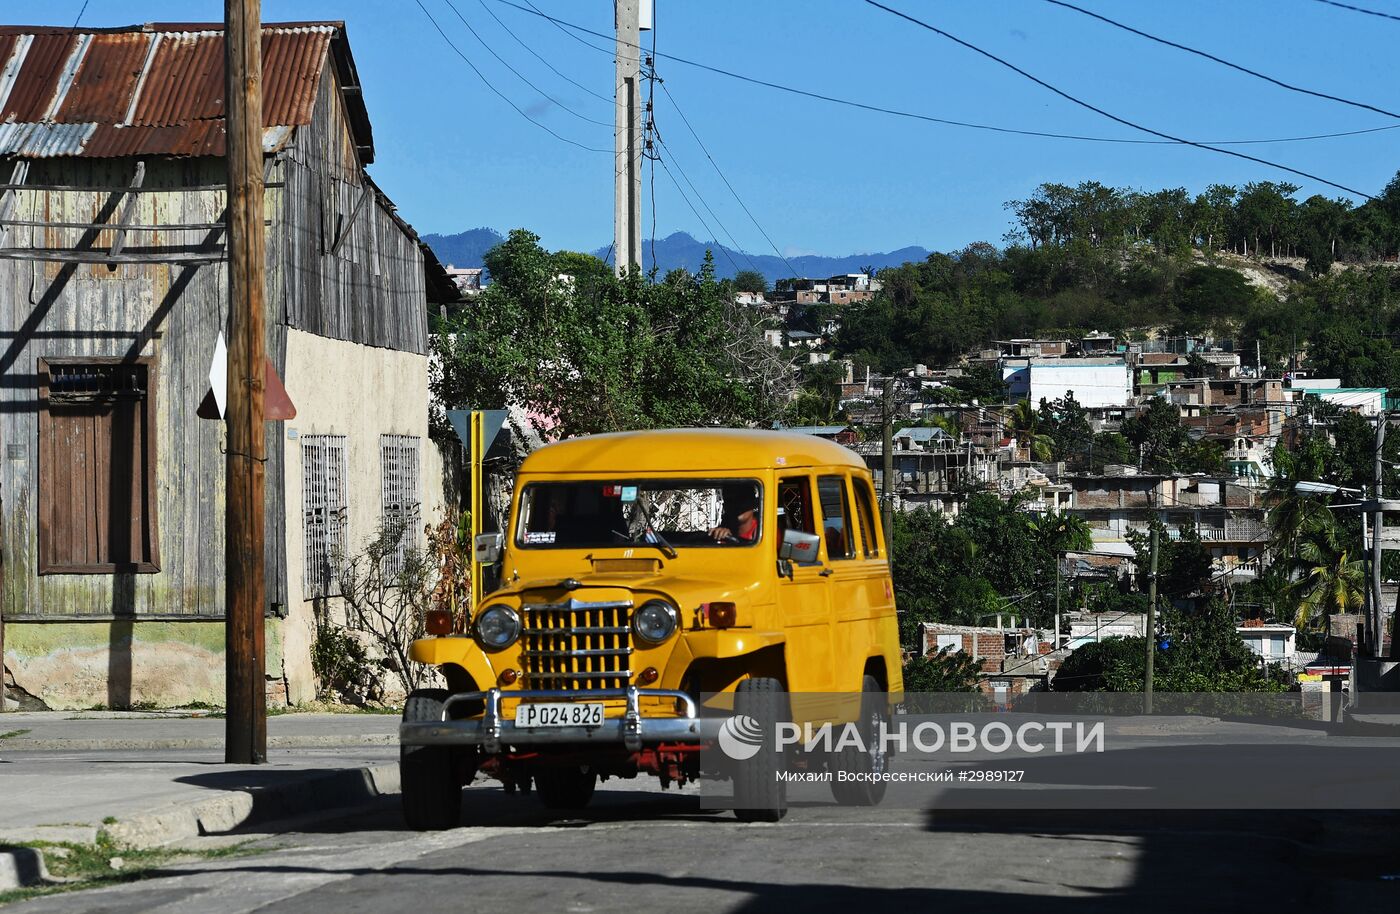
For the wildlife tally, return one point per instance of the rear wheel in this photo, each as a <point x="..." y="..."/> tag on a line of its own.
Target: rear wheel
<point x="867" y="764"/>
<point x="565" y="788"/>
<point x="431" y="791"/>
<point x="760" y="795"/>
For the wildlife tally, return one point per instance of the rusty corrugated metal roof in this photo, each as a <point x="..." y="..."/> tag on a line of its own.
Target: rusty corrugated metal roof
<point x="158" y="89"/>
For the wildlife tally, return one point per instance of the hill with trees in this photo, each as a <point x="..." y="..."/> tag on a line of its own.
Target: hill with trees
<point x="1253" y="263"/>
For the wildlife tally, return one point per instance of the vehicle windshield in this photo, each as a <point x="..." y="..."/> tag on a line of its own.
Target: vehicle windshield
<point x="662" y="512"/>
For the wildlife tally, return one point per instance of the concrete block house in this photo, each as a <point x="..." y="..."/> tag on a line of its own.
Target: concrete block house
<point x="113" y="291"/>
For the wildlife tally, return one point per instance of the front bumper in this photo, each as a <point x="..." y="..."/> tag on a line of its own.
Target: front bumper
<point x="491" y="732"/>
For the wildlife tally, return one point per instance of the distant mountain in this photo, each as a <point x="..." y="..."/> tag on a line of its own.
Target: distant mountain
<point x="465" y="249"/>
<point x="682" y="250"/>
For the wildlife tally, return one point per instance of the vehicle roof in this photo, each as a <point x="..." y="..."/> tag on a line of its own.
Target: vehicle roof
<point x="688" y="450"/>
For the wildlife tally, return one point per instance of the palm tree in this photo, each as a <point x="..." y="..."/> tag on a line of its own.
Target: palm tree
<point x="1025" y="425"/>
<point x="1331" y="578"/>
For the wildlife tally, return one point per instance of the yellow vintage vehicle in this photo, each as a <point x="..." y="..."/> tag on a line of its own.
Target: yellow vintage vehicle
<point x="653" y="583"/>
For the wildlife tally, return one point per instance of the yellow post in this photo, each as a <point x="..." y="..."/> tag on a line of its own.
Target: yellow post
<point x="477" y="500"/>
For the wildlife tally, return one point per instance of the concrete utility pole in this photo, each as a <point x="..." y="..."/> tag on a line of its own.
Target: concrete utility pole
<point x="245" y="587"/>
<point x="1151" y="624"/>
<point x="627" y="139"/>
<point x="887" y="462"/>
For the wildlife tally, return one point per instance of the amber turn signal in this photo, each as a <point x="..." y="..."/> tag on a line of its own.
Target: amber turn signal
<point x="438" y="622"/>
<point x="648" y="676"/>
<point x="507" y="677"/>
<point x="721" y="615"/>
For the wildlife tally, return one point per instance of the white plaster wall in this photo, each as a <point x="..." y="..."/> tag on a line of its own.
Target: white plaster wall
<point x="362" y="392"/>
<point x="1093" y="386"/>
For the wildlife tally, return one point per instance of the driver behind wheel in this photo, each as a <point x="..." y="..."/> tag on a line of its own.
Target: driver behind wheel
<point x="739" y="523"/>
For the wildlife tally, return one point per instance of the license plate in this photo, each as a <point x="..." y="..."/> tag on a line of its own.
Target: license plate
<point x="559" y="714"/>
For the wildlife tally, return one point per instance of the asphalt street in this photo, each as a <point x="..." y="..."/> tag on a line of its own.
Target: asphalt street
<point x="637" y="848"/>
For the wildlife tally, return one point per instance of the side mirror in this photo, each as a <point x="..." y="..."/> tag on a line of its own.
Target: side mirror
<point x="487" y="548"/>
<point x="799" y="547"/>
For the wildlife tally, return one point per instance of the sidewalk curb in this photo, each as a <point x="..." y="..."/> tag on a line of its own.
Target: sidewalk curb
<point x="21" y="867"/>
<point x="21" y="744"/>
<point x="320" y="793"/>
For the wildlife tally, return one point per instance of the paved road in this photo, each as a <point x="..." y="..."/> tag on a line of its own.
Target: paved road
<point x="640" y="849"/>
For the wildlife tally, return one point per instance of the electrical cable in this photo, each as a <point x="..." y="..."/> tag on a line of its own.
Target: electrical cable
<point x="1234" y="66"/>
<point x="725" y="179"/>
<point x="518" y="110"/>
<point x="709" y="209"/>
<point x="81" y="10"/>
<point x="1100" y="111"/>
<point x="540" y="57"/>
<point x="649" y="133"/>
<point x="709" y="230"/>
<point x="565" y="26"/>
<point x="1360" y="9"/>
<point x="521" y="76"/>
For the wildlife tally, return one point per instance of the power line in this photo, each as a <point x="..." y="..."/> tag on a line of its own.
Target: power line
<point x="709" y="209"/>
<point x="1234" y="66"/>
<point x="498" y="92"/>
<point x="540" y="57"/>
<point x="81" y="10"/>
<point x="650" y="133"/>
<point x="521" y="76"/>
<point x="723" y="178"/>
<point x="565" y="26"/>
<point x="1358" y="9"/>
<point x="709" y="230"/>
<point x="1100" y="111"/>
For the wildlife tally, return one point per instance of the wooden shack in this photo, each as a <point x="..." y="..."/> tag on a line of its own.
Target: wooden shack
<point x="113" y="293"/>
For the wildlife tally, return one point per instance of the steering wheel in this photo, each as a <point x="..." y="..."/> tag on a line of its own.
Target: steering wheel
<point x="730" y="538"/>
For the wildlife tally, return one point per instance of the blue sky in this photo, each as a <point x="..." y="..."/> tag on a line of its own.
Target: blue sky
<point x="828" y="179"/>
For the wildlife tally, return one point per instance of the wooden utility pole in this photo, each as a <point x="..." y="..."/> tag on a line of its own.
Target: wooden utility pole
<point x="245" y="586"/>
<point x="627" y="139"/>
<point x="887" y="463"/>
<point x="1151" y="624"/>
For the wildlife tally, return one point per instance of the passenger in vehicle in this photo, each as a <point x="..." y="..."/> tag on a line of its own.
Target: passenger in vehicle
<point x="739" y="523"/>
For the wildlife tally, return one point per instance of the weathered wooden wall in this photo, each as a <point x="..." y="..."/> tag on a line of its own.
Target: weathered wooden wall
<point x="171" y="312"/>
<point x="372" y="289"/>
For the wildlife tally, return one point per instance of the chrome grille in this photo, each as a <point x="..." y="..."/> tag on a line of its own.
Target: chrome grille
<point x="576" y="645"/>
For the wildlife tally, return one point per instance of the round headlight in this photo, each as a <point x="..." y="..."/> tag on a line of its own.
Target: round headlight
<point x="655" y="622"/>
<point x="497" y="627"/>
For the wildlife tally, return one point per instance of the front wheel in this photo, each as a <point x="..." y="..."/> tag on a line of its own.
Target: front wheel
<point x="431" y="792"/>
<point x="868" y="764"/>
<point x="760" y="794"/>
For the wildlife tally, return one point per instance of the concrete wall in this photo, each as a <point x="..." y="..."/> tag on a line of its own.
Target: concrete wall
<point x="124" y="664"/>
<point x="1093" y="385"/>
<point x="361" y="392"/>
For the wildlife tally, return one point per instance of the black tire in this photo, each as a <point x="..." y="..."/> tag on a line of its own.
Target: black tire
<point x="565" y="788"/>
<point x="863" y="793"/>
<point x="431" y="791"/>
<point x="759" y="794"/>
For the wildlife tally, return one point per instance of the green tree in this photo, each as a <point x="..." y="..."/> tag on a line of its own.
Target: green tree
<point x="1067" y="424"/>
<point x="1157" y="434"/>
<point x="749" y="281"/>
<point x="588" y="352"/>
<point x="1025" y="425"/>
<point x="1206" y="654"/>
<point x="1330" y="573"/>
<point x="944" y="671"/>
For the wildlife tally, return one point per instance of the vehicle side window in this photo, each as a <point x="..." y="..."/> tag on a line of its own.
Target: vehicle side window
<point x="865" y="513"/>
<point x="795" y="505"/>
<point x="836" y="512"/>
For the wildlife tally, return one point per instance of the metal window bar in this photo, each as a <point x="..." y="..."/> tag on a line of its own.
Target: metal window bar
<point x="400" y="494"/>
<point x="325" y="511"/>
